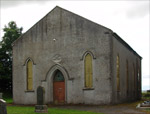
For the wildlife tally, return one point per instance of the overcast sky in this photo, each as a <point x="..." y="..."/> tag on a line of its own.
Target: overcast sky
<point x="129" y="19"/>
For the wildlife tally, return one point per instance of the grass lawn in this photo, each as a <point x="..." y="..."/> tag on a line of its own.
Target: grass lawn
<point x="13" y="109"/>
<point x="7" y="97"/>
<point x="30" y="110"/>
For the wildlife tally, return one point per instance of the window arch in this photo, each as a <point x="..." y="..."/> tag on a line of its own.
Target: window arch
<point x="118" y="73"/>
<point x="29" y="75"/>
<point x="88" y="52"/>
<point x="88" y="71"/>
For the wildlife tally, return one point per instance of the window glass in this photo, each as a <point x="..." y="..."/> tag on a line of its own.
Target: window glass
<point x="58" y="76"/>
<point x="118" y="73"/>
<point x="29" y="75"/>
<point x="88" y="71"/>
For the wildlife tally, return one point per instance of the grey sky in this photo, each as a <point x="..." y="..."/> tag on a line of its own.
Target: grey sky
<point x="138" y="10"/>
<point x="14" y="3"/>
<point x="129" y="19"/>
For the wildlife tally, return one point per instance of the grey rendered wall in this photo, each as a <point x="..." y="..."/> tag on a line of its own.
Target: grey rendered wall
<point x="63" y="34"/>
<point x="134" y="91"/>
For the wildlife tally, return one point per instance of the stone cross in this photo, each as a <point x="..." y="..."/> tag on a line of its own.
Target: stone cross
<point x="40" y="95"/>
<point x="3" y="109"/>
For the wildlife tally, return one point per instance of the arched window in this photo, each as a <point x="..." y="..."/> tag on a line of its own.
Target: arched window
<point x="118" y="73"/>
<point x="127" y="76"/>
<point x="29" y="75"/>
<point x="134" y="77"/>
<point x="137" y="74"/>
<point x="58" y="77"/>
<point x="138" y="78"/>
<point x="88" y="71"/>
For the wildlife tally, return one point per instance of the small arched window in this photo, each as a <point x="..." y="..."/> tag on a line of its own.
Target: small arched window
<point x="138" y="73"/>
<point x="138" y="78"/>
<point x="29" y="75"/>
<point x="134" y="76"/>
<point x="88" y="71"/>
<point x="118" y="73"/>
<point x="127" y="76"/>
<point x="58" y="77"/>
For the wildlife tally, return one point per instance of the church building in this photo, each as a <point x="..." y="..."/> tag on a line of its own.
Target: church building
<point x="76" y="61"/>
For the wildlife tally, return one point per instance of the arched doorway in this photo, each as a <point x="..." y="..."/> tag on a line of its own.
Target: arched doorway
<point x="58" y="87"/>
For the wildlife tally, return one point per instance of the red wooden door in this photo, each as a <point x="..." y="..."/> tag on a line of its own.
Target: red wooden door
<point x="58" y="88"/>
<point x="59" y="92"/>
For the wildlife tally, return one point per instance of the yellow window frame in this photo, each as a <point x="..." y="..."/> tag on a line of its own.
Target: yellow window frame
<point x="29" y="75"/>
<point x="88" y="71"/>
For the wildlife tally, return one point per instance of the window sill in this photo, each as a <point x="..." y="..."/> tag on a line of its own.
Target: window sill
<point x="29" y="90"/>
<point x="88" y="88"/>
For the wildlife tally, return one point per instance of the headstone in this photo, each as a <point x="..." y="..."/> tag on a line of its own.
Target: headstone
<point x="41" y="107"/>
<point x="3" y="109"/>
<point x="145" y="104"/>
<point x="1" y="95"/>
<point x="40" y="95"/>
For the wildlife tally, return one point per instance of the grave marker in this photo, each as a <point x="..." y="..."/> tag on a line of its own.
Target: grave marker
<point x="3" y="109"/>
<point x="41" y="107"/>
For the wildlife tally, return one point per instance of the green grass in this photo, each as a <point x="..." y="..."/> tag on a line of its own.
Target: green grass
<point x="30" y="110"/>
<point x="51" y="110"/>
<point x="8" y="98"/>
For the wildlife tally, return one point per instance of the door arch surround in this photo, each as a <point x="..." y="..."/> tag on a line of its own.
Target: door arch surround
<point x="49" y="81"/>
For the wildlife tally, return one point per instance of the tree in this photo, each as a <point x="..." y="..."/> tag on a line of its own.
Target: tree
<point x="11" y="33"/>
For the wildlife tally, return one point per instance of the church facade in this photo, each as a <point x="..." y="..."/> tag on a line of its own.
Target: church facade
<point x="76" y="61"/>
